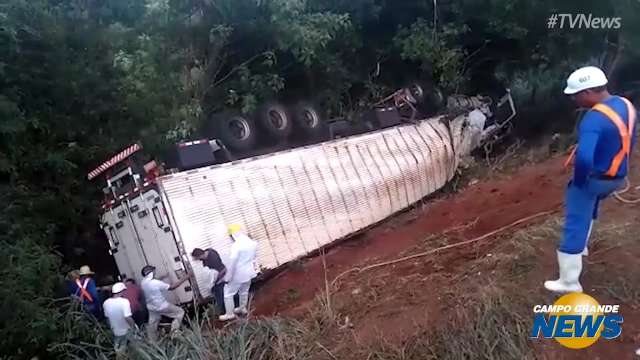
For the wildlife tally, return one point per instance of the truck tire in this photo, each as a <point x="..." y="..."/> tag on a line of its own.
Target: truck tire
<point x="429" y="98"/>
<point x="237" y="132"/>
<point x="308" y="120"/>
<point x="275" y="121"/>
<point x="417" y="90"/>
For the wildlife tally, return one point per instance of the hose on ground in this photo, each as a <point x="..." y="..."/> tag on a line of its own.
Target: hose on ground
<point x="447" y="247"/>
<point x="618" y="194"/>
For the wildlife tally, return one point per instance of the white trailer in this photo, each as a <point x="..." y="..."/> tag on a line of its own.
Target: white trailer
<point x="292" y="202"/>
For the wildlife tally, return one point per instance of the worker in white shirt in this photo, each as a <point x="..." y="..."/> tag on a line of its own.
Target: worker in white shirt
<point x="157" y="304"/>
<point x="240" y="272"/>
<point x="118" y="312"/>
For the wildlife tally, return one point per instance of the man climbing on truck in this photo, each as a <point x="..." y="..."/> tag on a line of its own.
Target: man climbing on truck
<point x="241" y="270"/>
<point x="157" y="303"/>
<point x="605" y="138"/>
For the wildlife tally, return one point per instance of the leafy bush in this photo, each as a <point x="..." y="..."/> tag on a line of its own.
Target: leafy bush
<point x="437" y="50"/>
<point x="27" y="321"/>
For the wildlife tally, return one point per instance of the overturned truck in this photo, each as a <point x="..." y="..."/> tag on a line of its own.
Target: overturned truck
<point x="293" y="202"/>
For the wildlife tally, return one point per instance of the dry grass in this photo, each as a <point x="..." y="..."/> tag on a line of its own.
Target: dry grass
<point x="620" y="285"/>
<point x="491" y="328"/>
<point x="497" y="319"/>
<point x="606" y="237"/>
<point x="624" y="290"/>
<point x="525" y="245"/>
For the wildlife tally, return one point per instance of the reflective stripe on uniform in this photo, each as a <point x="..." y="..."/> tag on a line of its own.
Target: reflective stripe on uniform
<point x="624" y="131"/>
<point x="82" y="287"/>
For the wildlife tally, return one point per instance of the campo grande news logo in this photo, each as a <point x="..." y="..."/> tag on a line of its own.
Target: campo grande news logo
<point x="577" y="321"/>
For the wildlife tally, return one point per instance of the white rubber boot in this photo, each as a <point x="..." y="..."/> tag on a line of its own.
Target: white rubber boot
<point x="242" y="308"/>
<point x="570" y="268"/>
<point x="585" y="252"/>
<point x="228" y="306"/>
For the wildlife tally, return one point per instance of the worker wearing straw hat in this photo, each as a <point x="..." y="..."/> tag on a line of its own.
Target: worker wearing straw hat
<point x="86" y="291"/>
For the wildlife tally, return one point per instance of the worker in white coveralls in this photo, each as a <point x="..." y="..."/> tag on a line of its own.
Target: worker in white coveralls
<point x="606" y="137"/>
<point x="157" y="303"/>
<point x="240" y="272"/>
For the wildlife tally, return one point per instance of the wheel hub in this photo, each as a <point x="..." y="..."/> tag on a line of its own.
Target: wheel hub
<point x="277" y="119"/>
<point x="310" y="118"/>
<point x="240" y="128"/>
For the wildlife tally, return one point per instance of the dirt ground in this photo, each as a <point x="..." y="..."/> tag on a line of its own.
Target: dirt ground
<point x="398" y="302"/>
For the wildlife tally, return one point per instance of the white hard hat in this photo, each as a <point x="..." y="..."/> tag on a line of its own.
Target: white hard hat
<point x="118" y="288"/>
<point x="585" y="78"/>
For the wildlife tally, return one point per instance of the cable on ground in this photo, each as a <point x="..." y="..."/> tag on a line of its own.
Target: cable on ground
<point x="447" y="247"/>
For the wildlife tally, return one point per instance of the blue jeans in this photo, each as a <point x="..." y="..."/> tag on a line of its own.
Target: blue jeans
<point x="581" y="207"/>
<point x="120" y="343"/>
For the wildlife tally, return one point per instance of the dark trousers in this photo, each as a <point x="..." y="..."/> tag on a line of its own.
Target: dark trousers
<point x="140" y="317"/>
<point x="218" y="295"/>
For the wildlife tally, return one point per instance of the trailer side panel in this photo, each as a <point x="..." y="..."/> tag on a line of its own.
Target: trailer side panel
<point x="297" y="201"/>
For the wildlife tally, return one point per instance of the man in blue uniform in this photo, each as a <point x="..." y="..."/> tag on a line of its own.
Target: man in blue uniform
<point x="86" y="291"/>
<point x="605" y="139"/>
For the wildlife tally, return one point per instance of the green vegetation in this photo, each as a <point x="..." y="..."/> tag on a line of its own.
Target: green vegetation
<point x="80" y="80"/>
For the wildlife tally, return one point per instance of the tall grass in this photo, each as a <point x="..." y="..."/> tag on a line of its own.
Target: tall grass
<point x="264" y="339"/>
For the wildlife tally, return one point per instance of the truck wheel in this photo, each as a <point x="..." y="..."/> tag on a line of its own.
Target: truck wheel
<point x="429" y="98"/>
<point x="274" y="119"/>
<point x="237" y="132"/>
<point x="308" y="120"/>
<point x="425" y="92"/>
<point x="417" y="91"/>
